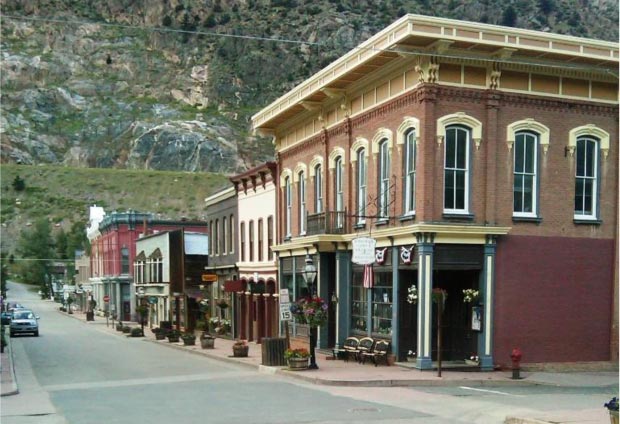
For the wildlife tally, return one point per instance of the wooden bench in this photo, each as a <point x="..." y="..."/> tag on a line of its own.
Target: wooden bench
<point x="365" y="345"/>
<point x="379" y="352"/>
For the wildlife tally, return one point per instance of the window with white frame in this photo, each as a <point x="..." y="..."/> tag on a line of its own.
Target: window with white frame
<point x="525" y="191"/>
<point x="384" y="180"/>
<point x="338" y="192"/>
<point x="361" y="185"/>
<point x="269" y="238"/>
<point x="302" y="203"/>
<point x="242" y="241"/>
<point x="251" y="242"/>
<point x="224" y="235"/>
<point x="318" y="189"/>
<point x="410" y="168"/>
<point x="216" y="235"/>
<point x="260" y="240"/>
<point x="456" y="170"/>
<point x="231" y="234"/>
<point x="289" y="205"/>
<point x="586" y="178"/>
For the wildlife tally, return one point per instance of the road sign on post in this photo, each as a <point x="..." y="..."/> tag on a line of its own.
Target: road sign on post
<point x="106" y="298"/>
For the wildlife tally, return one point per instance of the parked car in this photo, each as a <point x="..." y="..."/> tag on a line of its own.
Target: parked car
<point x="6" y="318"/>
<point x="24" y="321"/>
<point x="14" y="306"/>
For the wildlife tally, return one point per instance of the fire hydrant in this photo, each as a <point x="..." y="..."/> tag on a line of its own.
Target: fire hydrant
<point x="516" y="362"/>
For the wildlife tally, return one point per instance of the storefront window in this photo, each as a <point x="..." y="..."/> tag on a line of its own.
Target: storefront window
<point x="382" y="304"/>
<point x="359" y="304"/>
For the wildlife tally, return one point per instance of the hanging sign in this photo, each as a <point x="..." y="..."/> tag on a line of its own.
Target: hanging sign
<point x="363" y="250"/>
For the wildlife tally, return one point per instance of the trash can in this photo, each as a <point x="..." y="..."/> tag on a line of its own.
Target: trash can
<point x="272" y="349"/>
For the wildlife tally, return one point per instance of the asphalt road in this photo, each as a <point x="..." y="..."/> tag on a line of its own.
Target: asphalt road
<point x="77" y="373"/>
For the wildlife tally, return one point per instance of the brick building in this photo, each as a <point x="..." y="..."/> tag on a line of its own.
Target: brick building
<point x="478" y="157"/>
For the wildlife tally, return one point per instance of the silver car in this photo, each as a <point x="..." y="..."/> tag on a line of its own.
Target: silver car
<point x="24" y="321"/>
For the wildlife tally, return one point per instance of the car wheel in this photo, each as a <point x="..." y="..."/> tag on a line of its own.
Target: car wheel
<point x="36" y="333"/>
<point x="12" y="334"/>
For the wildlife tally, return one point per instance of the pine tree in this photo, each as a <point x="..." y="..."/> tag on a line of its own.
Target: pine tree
<point x="509" y="18"/>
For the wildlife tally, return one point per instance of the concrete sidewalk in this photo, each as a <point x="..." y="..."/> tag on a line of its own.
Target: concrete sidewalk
<point x="341" y="373"/>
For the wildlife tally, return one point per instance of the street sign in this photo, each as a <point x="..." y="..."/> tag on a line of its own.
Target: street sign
<point x="285" y="312"/>
<point x="209" y="278"/>
<point x="363" y="250"/>
<point x="106" y="298"/>
<point x="284" y="296"/>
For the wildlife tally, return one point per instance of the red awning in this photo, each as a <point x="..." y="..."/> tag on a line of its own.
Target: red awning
<point x="231" y="286"/>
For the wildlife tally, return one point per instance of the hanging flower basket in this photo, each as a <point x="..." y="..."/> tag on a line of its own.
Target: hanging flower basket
<point x="311" y="311"/>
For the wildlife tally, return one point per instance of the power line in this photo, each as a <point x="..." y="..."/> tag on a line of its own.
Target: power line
<point x="403" y="52"/>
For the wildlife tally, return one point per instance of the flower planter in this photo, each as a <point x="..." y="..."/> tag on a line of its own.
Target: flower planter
<point x="471" y="363"/>
<point x="173" y="339"/>
<point x="296" y="364"/>
<point x="207" y="342"/>
<point x="241" y="351"/>
<point x="390" y="359"/>
<point x="189" y="341"/>
<point x="160" y="336"/>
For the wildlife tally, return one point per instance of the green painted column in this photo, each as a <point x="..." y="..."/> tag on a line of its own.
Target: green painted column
<point x="426" y="248"/>
<point x="487" y="292"/>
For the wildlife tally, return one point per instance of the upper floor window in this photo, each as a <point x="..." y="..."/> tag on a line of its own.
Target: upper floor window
<point x="124" y="260"/>
<point x="410" y="167"/>
<point x="269" y="237"/>
<point x="242" y="241"/>
<point x="302" y="203"/>
<point x="211" y="238"/>
<point x="456" y="170"/>
<point x="361" y="185"/>
<point x="586" y="178"/>
<point x="260" y="240"/>
<point x="231" y="234"/>
<point x="318" y="189"/>
<point x="216" y="235"/>
<point x="338" y="191"/>
<point x="525" y="168"/>
<point x="384" y="180"/>
<point x="251" y="241"/>
<point x="224" y="236"/>
<point x="288" y="198"/>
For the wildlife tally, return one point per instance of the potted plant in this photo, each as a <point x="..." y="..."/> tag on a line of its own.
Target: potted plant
<point x="173" y="336"/>
<point x="297" y="358"/>
<point x="240" y="349"/>
<point x="207" y="341"/>
<point x="136" y="332"/>
<point x="160" y="333"/>
<point x="473" y="360"/>
<point x="126" y="329"/>
<point x="214" y="323"/>
<point x="189" y="338"/>
<point x="612" y="407"/>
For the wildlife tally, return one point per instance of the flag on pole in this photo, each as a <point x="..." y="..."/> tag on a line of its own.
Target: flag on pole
<point x="369" y="276"/>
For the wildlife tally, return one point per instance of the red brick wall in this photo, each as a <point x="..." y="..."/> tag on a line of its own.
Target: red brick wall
<point x="553" y="298"/>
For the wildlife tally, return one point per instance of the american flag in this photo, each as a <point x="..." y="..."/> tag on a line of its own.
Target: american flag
<point x="369" y="276"/>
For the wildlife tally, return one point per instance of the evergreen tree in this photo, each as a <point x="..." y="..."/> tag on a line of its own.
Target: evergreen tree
<point x="509" y="18"/>
<point x="19" y="184"/>
<point x="62" y="242"/>
<point x="36" y="248"/>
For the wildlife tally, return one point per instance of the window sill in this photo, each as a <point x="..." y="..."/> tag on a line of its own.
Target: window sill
<point x="464" y="216"/>
<point x="587" y="221"/>
<point x="382" y="222"/>
<point x="409" y="217"/>
<point x="359" y="226"/>
<point x="534" y="219"/>
<point x="287" y="238"/>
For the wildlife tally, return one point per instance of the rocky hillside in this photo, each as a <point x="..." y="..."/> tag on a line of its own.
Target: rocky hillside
<point x="161" y="84"/>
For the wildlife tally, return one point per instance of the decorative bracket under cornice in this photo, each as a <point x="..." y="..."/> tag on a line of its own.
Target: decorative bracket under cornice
<point x="310" y="105"/>
<point x="333" y="93"/>
<point x="504" y="53"/>
<point x="439" y="46"/>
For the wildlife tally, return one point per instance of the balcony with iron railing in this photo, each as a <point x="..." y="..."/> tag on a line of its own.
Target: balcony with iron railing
<point x="328" y="222"/>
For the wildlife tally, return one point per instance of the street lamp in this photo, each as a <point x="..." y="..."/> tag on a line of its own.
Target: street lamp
<point x="142" y="311"/>
<point x="309" y="275"/>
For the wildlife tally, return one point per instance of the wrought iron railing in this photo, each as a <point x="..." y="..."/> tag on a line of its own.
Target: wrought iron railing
<point x="328" y="222"/>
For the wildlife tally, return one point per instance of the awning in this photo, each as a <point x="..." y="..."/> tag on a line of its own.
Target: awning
<point x="231" y="286"/>
<point x="194" y="292"/>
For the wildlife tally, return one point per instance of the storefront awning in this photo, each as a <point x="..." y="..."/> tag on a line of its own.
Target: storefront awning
<point x="234" y="286"/>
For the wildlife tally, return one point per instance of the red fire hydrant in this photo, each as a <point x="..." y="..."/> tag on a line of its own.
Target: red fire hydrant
<point x="516" y="362"/>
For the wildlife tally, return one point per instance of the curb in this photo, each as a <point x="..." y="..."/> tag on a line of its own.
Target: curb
<point x="14" y="389"/>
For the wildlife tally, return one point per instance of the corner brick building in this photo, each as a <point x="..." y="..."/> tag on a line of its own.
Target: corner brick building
<point x="478" y="157"/>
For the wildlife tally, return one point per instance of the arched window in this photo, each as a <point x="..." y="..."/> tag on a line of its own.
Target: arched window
<point x="269" y="238"/>
<point x="410" y="168"/>
<point x="288" y="199"/>
<point x="242" y="241"/>
<point x="361" y="185"/>
<point x="251" y="242"/>
<point x="384" y="180"/>
<point x="231" y="234"/>
<point x="456" y="170"/>
<point x="525" y="187"/>
<point x="260" y="240"/>
<point x="338" y="192"/>
<point x="318" y="189"/>
<point x="302" y="203"/>
<point x="224" y="236"/>
<point x="586" y="178"/>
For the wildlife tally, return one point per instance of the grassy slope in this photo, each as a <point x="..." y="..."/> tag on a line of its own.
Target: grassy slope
<point x="63" y="195"/>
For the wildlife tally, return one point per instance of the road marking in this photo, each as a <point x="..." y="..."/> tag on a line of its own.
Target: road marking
<point x="496" y="392"/>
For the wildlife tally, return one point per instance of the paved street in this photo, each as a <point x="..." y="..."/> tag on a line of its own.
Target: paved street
<point x="83" y="373"/>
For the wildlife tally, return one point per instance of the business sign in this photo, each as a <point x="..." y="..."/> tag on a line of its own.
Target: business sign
<point x="363" y="250"/>
<point x="284" y="296"/>
<point x="209" y="278"/>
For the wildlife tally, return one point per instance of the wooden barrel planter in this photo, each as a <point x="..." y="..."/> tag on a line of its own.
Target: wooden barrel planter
<point x="207" y="342"/>
<point x="297" y="364"/>
<point x="160" y="335"/>
<point x="189" y="340"/>
<point x="240" y="351"/>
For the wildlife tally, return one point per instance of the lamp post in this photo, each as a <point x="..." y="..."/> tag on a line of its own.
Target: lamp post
<point x="142" y="308"/>
<point x="309" y="275"/>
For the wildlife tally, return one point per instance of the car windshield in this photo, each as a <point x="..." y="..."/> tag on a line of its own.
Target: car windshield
<point x="23" y="315"/>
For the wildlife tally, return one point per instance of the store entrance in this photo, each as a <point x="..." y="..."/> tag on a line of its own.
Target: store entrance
<point x="408" y="317"/>
<point x="459" y="341"/>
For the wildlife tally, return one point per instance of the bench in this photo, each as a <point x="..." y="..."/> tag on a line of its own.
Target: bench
<point x="379" y="352"/>
<point x="348" y="349"/>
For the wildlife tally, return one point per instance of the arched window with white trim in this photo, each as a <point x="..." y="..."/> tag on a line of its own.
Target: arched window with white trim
<point x="318" y="189"/>
<point x="456" y="170"/>
<point x="525" y="178"/>
<point x="409" y="170"/>
<point x="361" y="185"/>
<point x="384" y="180"/>
<point x="339" y="192"/>
<point x="302" y="202"/>
<point x="586" y="178"/>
